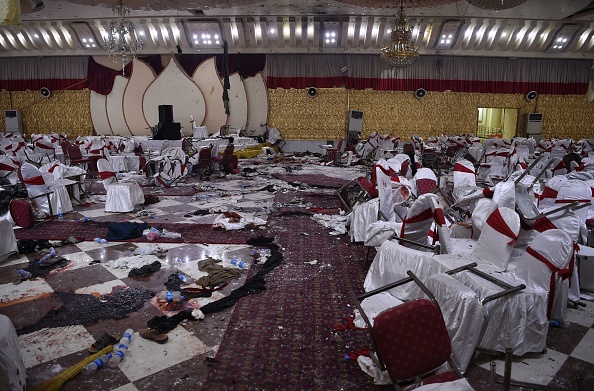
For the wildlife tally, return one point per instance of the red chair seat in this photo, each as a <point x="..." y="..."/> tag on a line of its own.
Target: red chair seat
<point x="22" y="213"/>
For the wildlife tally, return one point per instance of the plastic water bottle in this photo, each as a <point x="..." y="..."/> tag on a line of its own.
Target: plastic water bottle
<point x="185" y="278"/>
<point x="60" y="214"/>
<point x="243" y="265"/>
<point x="25" y="274"/>
<point x="122" y="349"/>
<point x="100" y="240"/>
<point x="83" y="220"/>
<point x="98" y="363"/>
<point x="48" y="259"/>
<point x="234" y="262"/>
<point x="168" y="297"/>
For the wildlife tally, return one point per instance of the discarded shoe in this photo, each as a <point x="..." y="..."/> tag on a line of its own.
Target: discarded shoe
<point x="104" y="341"/>
<point x="153" y="335"/>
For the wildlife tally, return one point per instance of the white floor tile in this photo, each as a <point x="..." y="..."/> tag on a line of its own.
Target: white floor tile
<point x="121" y="267"/>
<point x="14" y="260"/>
<point x="101" y="289"/>
<point x="582" y="315"/>
<point x="165" y="202"/>
<point x="126" y="387"/>
<point x="25" y="291"/>
<point x="92" y="213"/>
<point x="585" y="349"/>
<point x="146" y="357"/>
<point x="86" y="246"/>
<point x="532" y="368"/>
<point x="77" y="261"/>
<point x="47" y="344"/>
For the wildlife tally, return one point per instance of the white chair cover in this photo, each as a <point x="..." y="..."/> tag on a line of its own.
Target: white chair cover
<point x="496" y="243"/>
<point x="463" y="320"/>
<point x="550" y="191"/>
<point x="361" y="217"/>
<point x="35" y="184"/>
<point x="575" y="190"/>
<point x="13" y="374"/>
<point x="121" y="196"/>
<point x="557" y="248"/>
<point x="419" y="218"/>
<point x="464" y="174"/>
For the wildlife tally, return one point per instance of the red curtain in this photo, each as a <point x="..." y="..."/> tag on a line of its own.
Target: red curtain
<point x="248" y="65"/>
<point x="100" y="79"/>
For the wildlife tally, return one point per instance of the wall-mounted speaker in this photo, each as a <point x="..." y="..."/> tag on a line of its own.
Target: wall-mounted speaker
<point x="165" y="114"/>
<point x="312" y="92"/>
<point x="45" y="92"/>
<point x="420" y="93"/>
<point x="531" y="96"/>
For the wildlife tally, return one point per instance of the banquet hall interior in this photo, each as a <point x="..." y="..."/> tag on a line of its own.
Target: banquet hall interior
<point x="274" y="195"/>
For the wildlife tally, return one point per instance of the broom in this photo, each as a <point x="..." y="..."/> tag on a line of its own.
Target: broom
<point x="56" y="382"/>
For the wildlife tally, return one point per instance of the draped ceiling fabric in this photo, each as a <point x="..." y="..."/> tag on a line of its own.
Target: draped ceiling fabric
<point x="434" y="73"/>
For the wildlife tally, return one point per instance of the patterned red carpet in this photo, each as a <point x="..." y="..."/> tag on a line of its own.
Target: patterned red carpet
<point x="190" y="233"/>
<point x="284" y="338"/>
<point x="315" y="180"/>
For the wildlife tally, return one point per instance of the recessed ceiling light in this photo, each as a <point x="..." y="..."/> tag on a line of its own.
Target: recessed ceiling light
<point x="332" y="40"/>
<point x="218" y="42"/>
<point x="84" y="40"/>
<point x="564" y="39"/>
<point x="195" y="36"/>
<point x="442" y="41"/>
<point x="449" y="41"/>
<point x="272" y="31"/>
<point x="327" y="41"/>
<point x="333" y="34"/>
<point x="450" y="36"/>
<point x="90" y="40"/>
<point x="36" y="36"/>
<point x="216" y="36"/>
<point x="141" y="33"/>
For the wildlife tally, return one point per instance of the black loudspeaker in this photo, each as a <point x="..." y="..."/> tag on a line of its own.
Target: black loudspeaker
<point x="420" y="93"/>
<point x="531" y="96"/>
<point x="168" y="131"/>
<point x="45" y="92"/>
<point x="165" y="113"/>
<point x="312" y="92"/>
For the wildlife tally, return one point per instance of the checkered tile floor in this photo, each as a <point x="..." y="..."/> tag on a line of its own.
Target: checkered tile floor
<point x="183" y="362"/>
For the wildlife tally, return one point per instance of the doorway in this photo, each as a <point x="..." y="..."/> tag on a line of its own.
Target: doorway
<point x="496" y="122"/>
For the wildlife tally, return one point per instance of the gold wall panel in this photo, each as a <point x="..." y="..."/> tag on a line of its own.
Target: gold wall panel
<point x="399" y="113"/>
<point x="299" y="117"/>
<point x="64" y="111"/>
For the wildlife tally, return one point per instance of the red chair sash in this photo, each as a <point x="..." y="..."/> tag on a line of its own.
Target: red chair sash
<point x="34" y="180"/>
<point x="555" y="270"/>
<point x="498" y="223"/>
<point x="461" y="168"/>
<point x="543" y="223"/>
<point x="106" y="175"/>
<point x="548" y="193"/>
<point x="6" y="167"/>
<point x="487" y="192"/>
<point x="439" y="217"/>
<point x="53" y="168"/>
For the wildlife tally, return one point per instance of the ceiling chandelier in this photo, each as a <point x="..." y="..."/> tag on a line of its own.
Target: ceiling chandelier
<point x="401" y="52"/>
<point x="496" y="5"/>
<point x="121" y="39"/>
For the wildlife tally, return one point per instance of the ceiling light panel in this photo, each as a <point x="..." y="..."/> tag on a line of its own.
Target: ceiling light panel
<point x="205" y="34"/>
<point x="331" y="34"/>
<point x="84" y="36"/>
<point x="448" y="34"/>
<point x="562" y="38"/>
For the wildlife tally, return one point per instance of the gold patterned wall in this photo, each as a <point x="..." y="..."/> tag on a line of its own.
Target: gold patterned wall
<point x="297" y="116"/>
<point x="64" y="111"/>
<point x="399" y="113"/>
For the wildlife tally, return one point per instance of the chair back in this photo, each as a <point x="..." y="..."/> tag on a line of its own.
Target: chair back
<point x="548" y="259"/>
<point x="411" y="339"/>
<point x="498" y="236"/>
<point x="425" y="180"/>
<point x="106" y="173"/>
<point x="575" y="190"/>
<point x="204" y="157"/>
<point x="418" y="220"/>
<point x="74" y="152"/>
<point x="464" y="174"/>
<point x="30" y="175"/>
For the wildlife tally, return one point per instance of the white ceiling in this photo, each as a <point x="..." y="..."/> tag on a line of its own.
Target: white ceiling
<point x="286" y="26"/>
